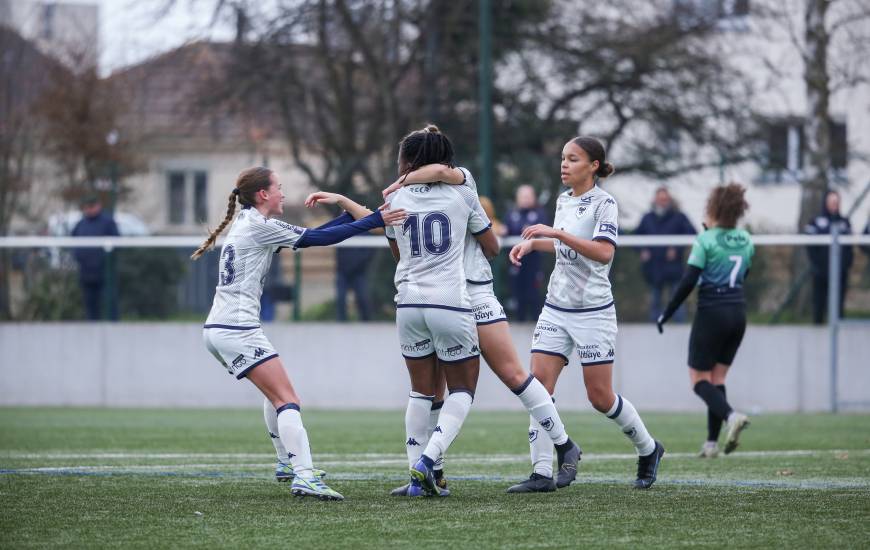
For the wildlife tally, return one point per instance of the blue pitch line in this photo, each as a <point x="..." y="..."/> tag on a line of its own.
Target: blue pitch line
<point x="347" y="476"/>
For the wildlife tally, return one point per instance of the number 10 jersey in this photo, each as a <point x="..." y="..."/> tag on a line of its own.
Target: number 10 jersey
<point x="431" y="241"/>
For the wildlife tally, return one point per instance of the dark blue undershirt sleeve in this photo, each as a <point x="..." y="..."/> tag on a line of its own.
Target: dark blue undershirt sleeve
<point x="687" y="284"/>
<point x="338" y="233"/>
<point x="341" y="220"/>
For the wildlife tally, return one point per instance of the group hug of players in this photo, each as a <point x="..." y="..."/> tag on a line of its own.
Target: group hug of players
<point x="448" y="315"/>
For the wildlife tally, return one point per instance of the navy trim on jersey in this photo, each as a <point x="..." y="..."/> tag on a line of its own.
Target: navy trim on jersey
<point x="452" y="361"/>
<point x="603" y="238"/>
<point x="421" y="357"/>
<point x="437" y="306"/>
<point x="482" y="231"/>
<point x="553" y="353"/>
<point x="481" y="323"/>
<point x="525" y="385"/>
<point x="245" y="372"/>
<point x="584" y="310"/>
<point x="230" y="327"/>
<point x="469" y="281"/>
<point x="618" y="408"/>
<point x="596" y="363"/>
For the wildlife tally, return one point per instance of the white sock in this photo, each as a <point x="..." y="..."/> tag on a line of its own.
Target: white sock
<point x="295" y="439"/>
<point x="416" y="425"/>
<point x="542" y="409"/>
<point x="271" y="416"/>
<point x="450" y="421"/>
<point x="541" y="449"/>
<point x="433" y="421"/>
<point x="625" y="415"/>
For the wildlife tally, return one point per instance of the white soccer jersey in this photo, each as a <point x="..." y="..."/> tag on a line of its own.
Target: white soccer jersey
<point x="477" y="268"/>
<point x="244" y="261"/>
<point x="431" y="268"/>
<point x="578" y="283"/>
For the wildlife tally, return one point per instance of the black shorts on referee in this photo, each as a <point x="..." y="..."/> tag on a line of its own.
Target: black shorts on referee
<point x="716" y="334"/>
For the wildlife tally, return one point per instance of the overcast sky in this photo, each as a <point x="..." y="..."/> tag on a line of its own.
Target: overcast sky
<point x="130" y="33"/>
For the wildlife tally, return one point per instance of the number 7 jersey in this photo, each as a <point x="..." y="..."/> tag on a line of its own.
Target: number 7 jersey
<point x="723" y="256"/>
<point x="431" y="241"/>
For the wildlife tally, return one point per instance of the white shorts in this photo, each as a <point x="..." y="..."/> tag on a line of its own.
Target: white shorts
<point x="591" y="333"/>
<point x="238" y="351"/>
<point x="485" y="306"/>
<point x="449" y="334"/>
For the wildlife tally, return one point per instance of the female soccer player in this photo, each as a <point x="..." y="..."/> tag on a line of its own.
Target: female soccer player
<point x="232" y="332"/>
<point x="434" y="316"/>
<point x="579" y="312"/>
<point x="497" y="346"/>
<point x="720" y="260"/>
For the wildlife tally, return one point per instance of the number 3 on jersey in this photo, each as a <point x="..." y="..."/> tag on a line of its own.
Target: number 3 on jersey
<point x="435" y="241"/>
<point x="228" y="272"/>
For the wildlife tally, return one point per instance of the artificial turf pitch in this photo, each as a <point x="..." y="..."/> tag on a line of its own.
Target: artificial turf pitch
<point x="203" y="478"/>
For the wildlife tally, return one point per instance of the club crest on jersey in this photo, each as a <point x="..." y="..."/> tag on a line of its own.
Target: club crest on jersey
<point x="259" y="352"/>
<point x="581" y="210"/>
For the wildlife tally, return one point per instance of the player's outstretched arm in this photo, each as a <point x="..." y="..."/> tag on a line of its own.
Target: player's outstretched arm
<point x="338" y="233"/>
<point x="687" y="284"/>
<point x="428" y="174"/>
<point x="351" y="207"/>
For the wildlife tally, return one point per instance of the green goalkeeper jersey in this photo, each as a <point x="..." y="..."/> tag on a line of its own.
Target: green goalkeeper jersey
<point x="724" y="257"/>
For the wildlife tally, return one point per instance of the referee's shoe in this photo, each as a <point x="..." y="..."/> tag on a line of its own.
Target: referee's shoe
<point x="648" y="467"/>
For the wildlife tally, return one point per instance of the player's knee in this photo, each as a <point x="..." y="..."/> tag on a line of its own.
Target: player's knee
<point x="516" y="377"/>
<point x="600" y="398"/>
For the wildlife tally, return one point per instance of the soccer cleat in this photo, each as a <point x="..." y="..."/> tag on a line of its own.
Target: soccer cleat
<point x="313" y="487"/>
<point x="284" y="472"/>
<point x="425" y="475"/>
<point x="535" y="484"/>
<point x="400" y="491"/>
<point x="736" y="424"/>
<point x="648" y="467"/>
<point x="710" y="449"/>
<point x="415" y="489"/>
<point x="568" y="467"/>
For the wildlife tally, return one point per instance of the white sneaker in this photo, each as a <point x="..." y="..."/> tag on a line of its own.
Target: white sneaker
<point x="710" y="449"/>
<point x="737" y="422"/>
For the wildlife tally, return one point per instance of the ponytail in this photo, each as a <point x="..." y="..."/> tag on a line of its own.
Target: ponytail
<point x="209" y="242"/>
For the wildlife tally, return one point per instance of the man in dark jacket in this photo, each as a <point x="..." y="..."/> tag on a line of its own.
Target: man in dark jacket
<point x="818" y="255"/>
<point x="527" y="280"/>
<point x="92" y="261"/>
<point x="351" y="273"/>
<point x="663" y="265"/>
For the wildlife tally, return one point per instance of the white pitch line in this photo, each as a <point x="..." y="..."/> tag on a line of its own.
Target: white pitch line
<point x="389" y="458"/>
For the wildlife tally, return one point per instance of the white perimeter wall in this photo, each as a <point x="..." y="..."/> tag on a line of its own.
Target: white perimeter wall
<point x="359" y="366"/>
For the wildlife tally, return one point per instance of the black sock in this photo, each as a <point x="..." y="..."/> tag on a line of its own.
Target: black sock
<point x="714" y="399"/>
<point x="714" y="423"/>
<point x="563" y="448"/>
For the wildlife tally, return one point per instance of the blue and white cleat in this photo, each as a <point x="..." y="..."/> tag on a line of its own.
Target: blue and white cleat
<point x="425" y="476"/>
<point x="415" y="489"/>
<point x="284" y="472"/>
<point x="313" y="487"/>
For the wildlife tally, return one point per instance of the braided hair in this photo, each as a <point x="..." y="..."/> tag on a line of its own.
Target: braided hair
<point x="426" y="146"/>
<point x="248" y="184"/>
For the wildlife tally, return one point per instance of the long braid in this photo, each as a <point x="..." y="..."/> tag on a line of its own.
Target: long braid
<point x="209" y="242"/>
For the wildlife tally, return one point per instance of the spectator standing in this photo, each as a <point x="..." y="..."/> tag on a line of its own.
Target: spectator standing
<point x="818" y="255"/>
<point x="93" y="277"/>
<point x="351" y="273"/>
<point x="663" y="265"/>
<point x="526" y="280"/>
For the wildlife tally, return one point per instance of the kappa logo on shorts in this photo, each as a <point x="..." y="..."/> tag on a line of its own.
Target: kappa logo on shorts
<point x="533" y="435"/>
<point x="475" y="349"/>
<point x="259" y="352"/>
<point x="437" y="429"/>
<point x="239" y="361"/>
<point x="411" y="442"/>
<point x="610" y="353"/>
<point x="273" y="436"/>
<point x="547" y="423"/>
